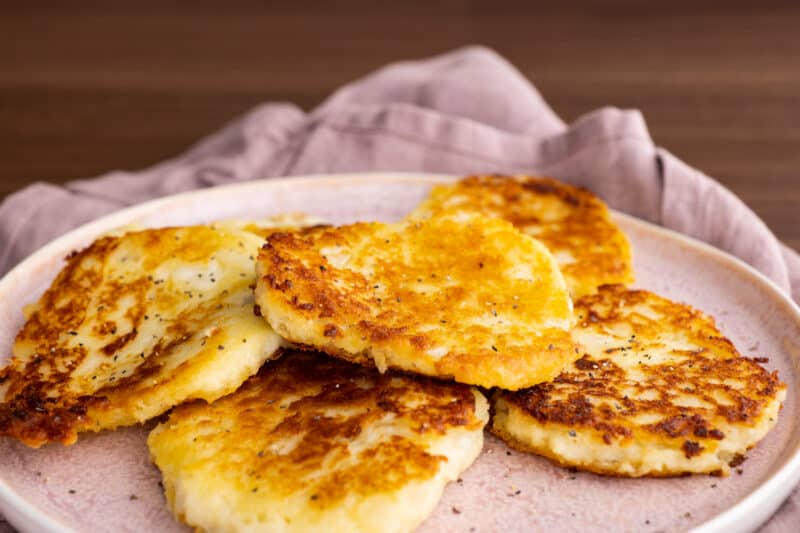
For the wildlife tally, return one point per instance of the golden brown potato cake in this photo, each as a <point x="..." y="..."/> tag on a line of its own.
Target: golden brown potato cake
<point x="463" y="297"/>
<point x="572" y="222"/>
<point x="133" y="325"/>
<point x="659" y="392"/>
<point x="312" y="443"/>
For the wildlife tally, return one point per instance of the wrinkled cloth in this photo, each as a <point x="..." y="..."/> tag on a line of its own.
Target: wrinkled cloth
<point x="434" y="115"/>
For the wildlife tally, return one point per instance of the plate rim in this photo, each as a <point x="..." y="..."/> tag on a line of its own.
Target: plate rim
<point x="746" y="514"/>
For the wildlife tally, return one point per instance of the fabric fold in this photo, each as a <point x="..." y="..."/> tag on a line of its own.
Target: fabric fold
<point x="698" y="206"/>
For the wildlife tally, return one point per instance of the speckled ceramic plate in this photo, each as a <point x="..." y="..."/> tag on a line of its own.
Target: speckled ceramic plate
<point x="106" y="481"/>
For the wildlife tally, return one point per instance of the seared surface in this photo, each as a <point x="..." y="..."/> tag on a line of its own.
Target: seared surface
<point x="312" y="442"/>
<point x="133" y="325"/>
<point x="659" y="391"/>
<point x="572" y="222"/>
<point x="463" y="297"/>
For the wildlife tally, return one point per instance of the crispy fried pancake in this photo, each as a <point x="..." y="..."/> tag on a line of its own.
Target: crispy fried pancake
<point x="316" y="444"/>
<point x="464" y="297"/>
<point x="659" y="392"/>
<point x="133" y="325"/>
<point x="572" y="222"/>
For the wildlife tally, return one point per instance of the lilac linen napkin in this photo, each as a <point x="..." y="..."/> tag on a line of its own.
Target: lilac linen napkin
<point x="431" y="116"/>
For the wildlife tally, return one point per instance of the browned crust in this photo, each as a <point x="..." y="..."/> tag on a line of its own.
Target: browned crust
<point x="600" y="378"/>
<point x="702" y="372"/>
<point x="35" y="421"/>
<point x="678" y="421"/>
<point x="34" y="411"/>
<point x="295" y="396"/>
<point x="39" y="403"/>
<point x="298" y="276"/>
<point x="601" y="251"/>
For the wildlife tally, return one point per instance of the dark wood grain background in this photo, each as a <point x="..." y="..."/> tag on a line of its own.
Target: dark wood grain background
<point x="90" y="87"/>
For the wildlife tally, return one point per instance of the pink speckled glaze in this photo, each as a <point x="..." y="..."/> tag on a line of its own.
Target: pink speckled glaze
<point x="117" y="489"/>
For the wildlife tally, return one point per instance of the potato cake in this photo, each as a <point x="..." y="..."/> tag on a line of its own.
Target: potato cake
<point x="573" y="223"/>
<point x="312" y="443"/>
<point x="133" y="325"/>
<point x="463" y="297"/>
<point x="659" y="391"/>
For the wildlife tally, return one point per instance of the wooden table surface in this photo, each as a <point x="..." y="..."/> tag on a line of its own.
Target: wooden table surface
<point x="88" y="88"/>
